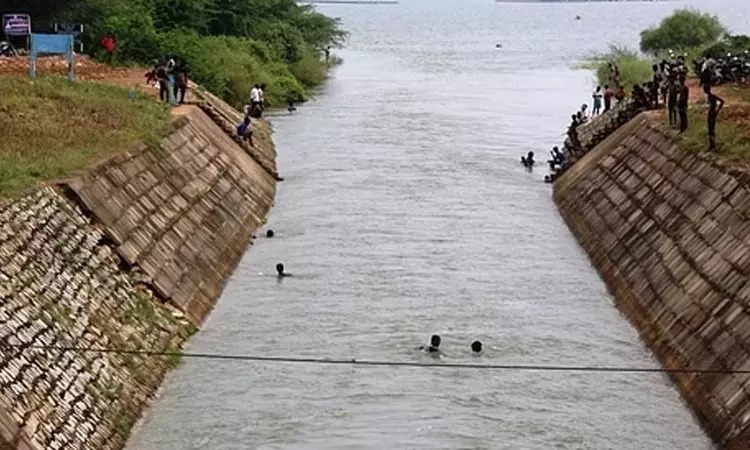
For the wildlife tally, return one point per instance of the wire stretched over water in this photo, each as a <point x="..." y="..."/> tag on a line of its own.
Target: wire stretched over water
<point x="373" y="363"/>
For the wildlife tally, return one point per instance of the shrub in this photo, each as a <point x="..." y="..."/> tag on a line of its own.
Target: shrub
<point x="684" y="29"/>
<point x="633" y="68"/>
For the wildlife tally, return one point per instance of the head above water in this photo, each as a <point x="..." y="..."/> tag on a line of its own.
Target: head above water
<point x="435" y="341"/>
<point x="270" y="234"/>
<point x="476" y="346"/>
<point x="280" y="268"/>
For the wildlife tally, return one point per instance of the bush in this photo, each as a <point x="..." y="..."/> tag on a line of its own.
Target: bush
<point x="633" y="69"/>
<point x="228" y="44"/>
<point x="684" y="29"/>
<point x="729" y="44"/>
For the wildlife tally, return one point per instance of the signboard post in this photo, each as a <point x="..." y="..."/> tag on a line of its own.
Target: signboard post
<point x="75" y="29"/>
<point x="17" y="25"/>
<point x="55" y="44"/>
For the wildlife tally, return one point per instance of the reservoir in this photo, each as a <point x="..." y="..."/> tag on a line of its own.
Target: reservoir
<point x="405" y="212"/>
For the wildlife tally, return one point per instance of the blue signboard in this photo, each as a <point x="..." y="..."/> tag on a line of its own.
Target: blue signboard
<point x="16" y="24"/>
<point x="52" y="44"/>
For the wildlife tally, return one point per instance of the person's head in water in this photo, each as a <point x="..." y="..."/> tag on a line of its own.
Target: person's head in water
<point x="270" y="234"/>
<point x="435" y="341"/>
<point x="280" y="269"/>
<point x="476" y="347"/>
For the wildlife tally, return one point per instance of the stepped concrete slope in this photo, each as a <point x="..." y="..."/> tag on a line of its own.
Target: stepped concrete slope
<point x="669" y="231"/>
<point x="132" y="254"/>
<point x="183" y="215"/>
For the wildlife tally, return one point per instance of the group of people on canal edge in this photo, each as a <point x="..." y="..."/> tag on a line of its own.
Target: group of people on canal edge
<point x="668" y="88"/>
<point x="434" y="347"/>
<point x="170" y="78"/>
<point x="253" y="109"/>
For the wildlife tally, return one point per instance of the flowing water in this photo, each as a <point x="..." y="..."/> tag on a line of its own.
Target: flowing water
<point x="405" y="212"/>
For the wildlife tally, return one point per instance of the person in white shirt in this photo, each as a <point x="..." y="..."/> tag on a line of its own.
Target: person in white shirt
<point x="256" y="101"/>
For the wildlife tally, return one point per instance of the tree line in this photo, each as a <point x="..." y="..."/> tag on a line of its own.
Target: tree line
<point x="228" y="44"/>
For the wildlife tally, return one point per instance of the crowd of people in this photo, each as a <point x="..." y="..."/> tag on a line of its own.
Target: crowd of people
<point x="667" y="88"/>
<point x="170" y="78"/>
<point x="253" y="109"/>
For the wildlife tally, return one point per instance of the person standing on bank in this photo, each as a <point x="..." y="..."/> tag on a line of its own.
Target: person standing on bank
<point x="683" y="97"/>
<point x="597" y="96"/>
<point x="255" y="107"/>
<point x="672" y="92"/>
<point x="715" y="103"/>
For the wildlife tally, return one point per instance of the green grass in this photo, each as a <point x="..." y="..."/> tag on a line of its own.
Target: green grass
<point x="52" y="129"/>
<point x="733" y="140"/>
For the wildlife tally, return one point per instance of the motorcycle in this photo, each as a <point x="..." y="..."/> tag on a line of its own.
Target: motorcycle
<point x="7" y="50"/>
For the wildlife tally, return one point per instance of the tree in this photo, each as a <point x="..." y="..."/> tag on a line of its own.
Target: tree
<point x="683" y="30"/>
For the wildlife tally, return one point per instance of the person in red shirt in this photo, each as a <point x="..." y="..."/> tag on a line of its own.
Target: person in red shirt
<point x="109" y="43"/>
<point x="608" y="94"/>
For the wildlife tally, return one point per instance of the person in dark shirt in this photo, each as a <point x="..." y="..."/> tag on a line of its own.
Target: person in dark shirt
<point x="656" y="80"/>
<point x="181" y="82"/>
<point x="683" y="96"/>
<point x="715" y="103"/>
<point x="245" y="131"/>
<point x="608" y="94"/>
<point x="434" y="346"/>
<point x="672" y="92"/>
<point x="162" y="76"/>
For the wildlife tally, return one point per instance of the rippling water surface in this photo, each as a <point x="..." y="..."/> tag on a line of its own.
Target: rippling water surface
<point x="404" y="213"/>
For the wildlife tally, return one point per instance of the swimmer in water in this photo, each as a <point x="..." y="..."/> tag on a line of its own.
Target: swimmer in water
<point x="280" y="271"/>
<point x="434" y="346"/>
<point x="270" y="233"/>
<point x="476" y="347"/>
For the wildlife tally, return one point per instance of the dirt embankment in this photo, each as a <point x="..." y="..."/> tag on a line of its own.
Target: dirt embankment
<point x="85" y="69"/>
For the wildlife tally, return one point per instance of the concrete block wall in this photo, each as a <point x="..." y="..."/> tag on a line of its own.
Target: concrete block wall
<point x="130" y="255"/>
<point x="61" y="286"/>
<point x="669" y="231"/>
<point x="182" y="213"/>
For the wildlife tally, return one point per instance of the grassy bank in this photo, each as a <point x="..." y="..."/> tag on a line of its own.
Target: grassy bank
<point x="732" y="130"/>
<point x="52" y="129"/>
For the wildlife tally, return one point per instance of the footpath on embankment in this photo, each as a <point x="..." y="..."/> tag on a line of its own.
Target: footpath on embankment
<point x="668" y="229"/>
<point x="131" y="253"/>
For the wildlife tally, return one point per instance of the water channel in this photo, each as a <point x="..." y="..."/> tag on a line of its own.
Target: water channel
<point x="405" y="212"/>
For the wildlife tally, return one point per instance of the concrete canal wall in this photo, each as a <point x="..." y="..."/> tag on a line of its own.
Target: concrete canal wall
<point x="132" y="254"/>
<point x="669" y="232"/>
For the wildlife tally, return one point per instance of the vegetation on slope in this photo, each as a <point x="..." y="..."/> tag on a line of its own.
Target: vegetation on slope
<point x="52" y="129"/>
<point x="228" y="44"/>
<point x="686" y="31"/>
